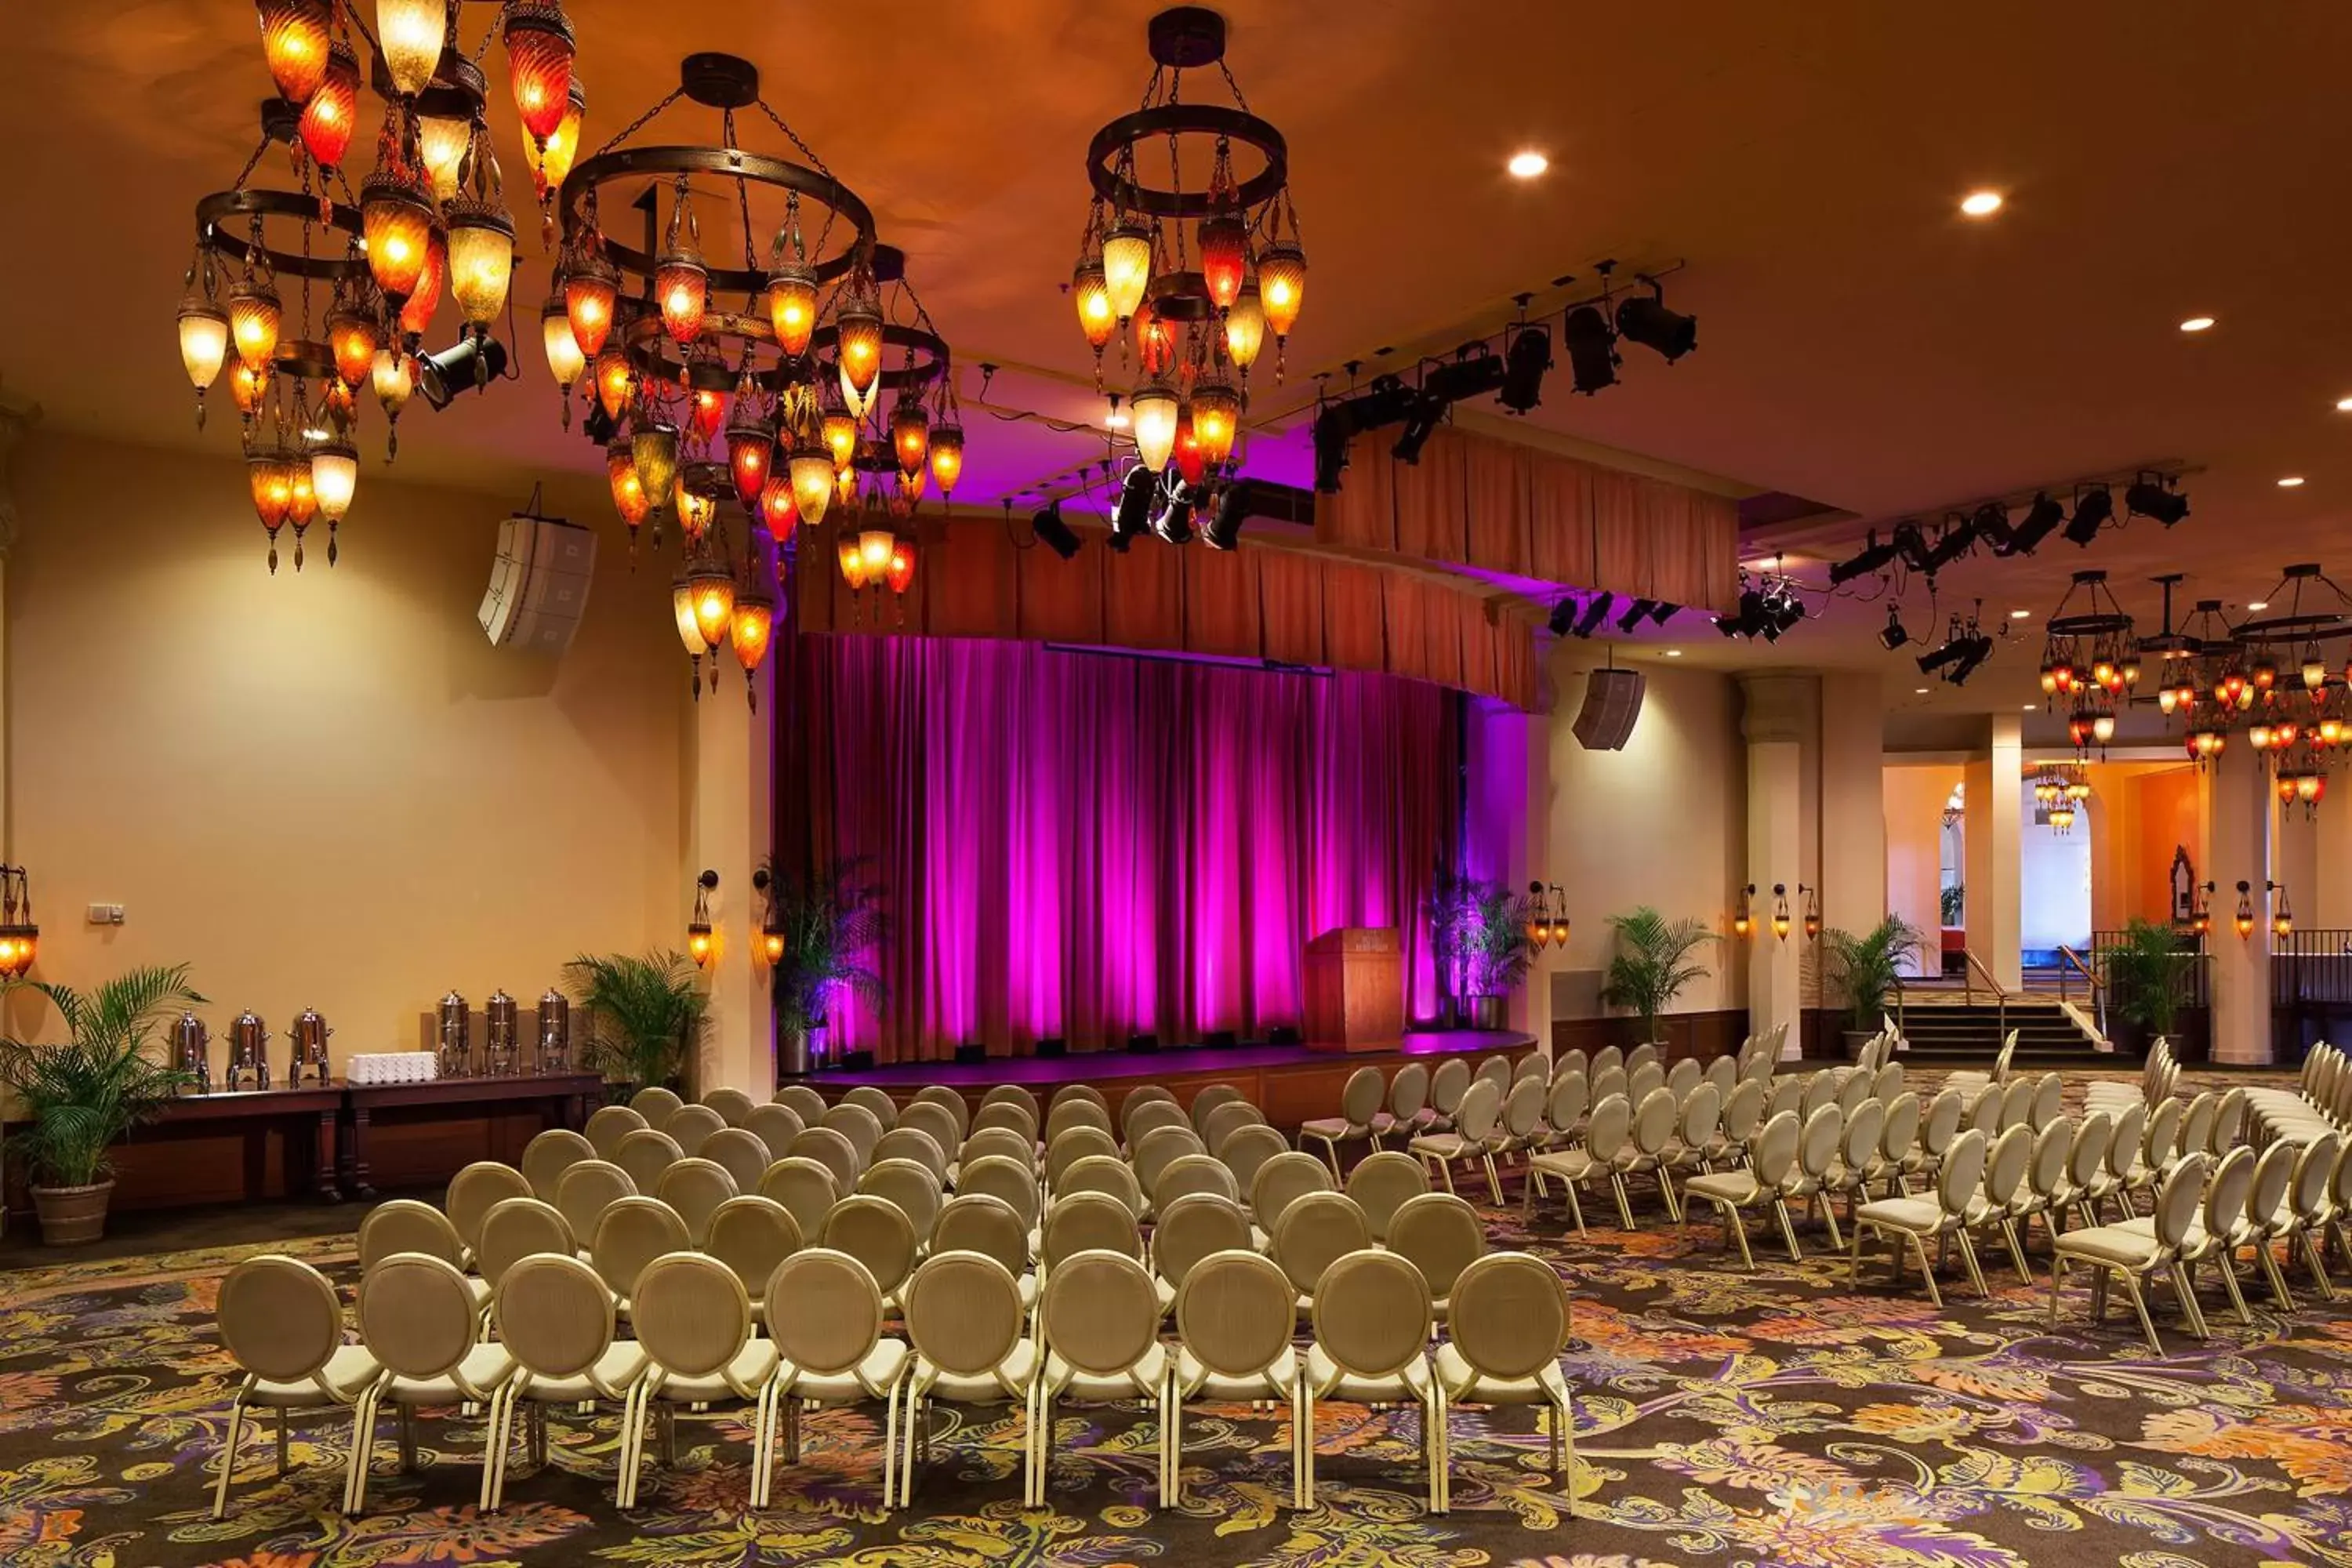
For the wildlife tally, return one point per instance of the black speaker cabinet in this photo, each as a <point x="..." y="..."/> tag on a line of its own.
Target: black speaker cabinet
<point x="1612" y="702"/>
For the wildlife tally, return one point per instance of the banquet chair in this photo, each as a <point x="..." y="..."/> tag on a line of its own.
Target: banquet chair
<point x="1743" y="1113"/>
<point x="1474" y="1128"/>
<point x="1968" y="1079"/>
<point x="1104" y="1173"/>
<point x="1684" y="1076"/>
<point x="1371" y="1346"/>
<point x="1014" y="1095"/>
<point x="1937" y="1128"/>
<point x="1447" y="1086"/>
<point x="1641" y="1056"/>
<point x="2017" y="1104"/>
<point x="555" y="1319"/>
<point x="1009" y="1143"/>
<point x="740" y="1153"/>
<point x="1817" y="1139"/>
<point x="2265" y="1216"/>
<point x="1984" y="1108"/>
<point x="406" y="1225"/>
<point x="1857" y="1148"/>
<point x="860" y="1126"/>
<point x="1651" y="1145"/>
<point x="2301" y="1222"/>
<point x="974" y="1222"/>
<point x="1137" y="1122"/>
<point x="695" y="1188"/>
<point x="775" y="1126"/>
<point x="877" y="1233"/>
<point x="1195" y="1172"/>
<point x="917" y="1147"/>
<point x="1887" y="1081"/>
<point x="2004" y="1178"/>
<point x="2339" y="1202"/>
<point x="1957" y="1204"/>
<point x="805" y="1102"/>
<point x="734" y="1106"/>
<point x="1534" y="1065"/>
<point x="1074" y="1144"/>
<point x="418" y="1319"/>
<point x="2046" y="1176"/>
<point x="1575" y="1061"/>
<point x="2049" y="1101"/>
<point x="1360" y="1101"/>
<point x="2112" y="1180"/>
<point x="750" y="1235"/>
<point x="1160" y="1148"/>
<point x="1643" y="1079"/>
<point x="1440" y="1234"/>
<point x="807" y="1190"/>
<point x="1509" y="1324"/>
<point x="1193" y="1227"/>
<point x="587" y="1190"/>
<point x="1068" y="1113"/>
<point x="1724" y="1073"/>
<point x="608" y="1125"/>
<point x="1608" y="1057"/>
<point x="1236" y="1317"/>
<point x="1312" y="1233"/>
<point x="2084" y="1163"/>
<point x="1772" y="1159"/>
<point x="1785" y="1092"/>
<point x="912" y="1187"/>
<point x="690" y="1126"/>
<point x="874" y="1102"/>
<point x="829" y="1147"/>
<point x="1086" y="1222"/>
<point x="633" y="1232"/>
<point x="1228" y="1119"/>
<point x="656" y="1104"/>
<point x="1009" y="1181"/>
<point x="1696" y="1125"/>
<point x="516" y="1228"/>
<point x="831" y="1351"/>
<point x="2194" y="1134"/>
<point x="1853" y="1092"/>
<point x="645" y="1154"/>
<point x="964" y="1318"/>
<point x="551" y="1153"/>
<point x="1495" y="1069"/>
<point x="1100" y="1322"/>
<point x="472" y="1193"/>
<point x="2223" y="1212"/>
<point x="1408" y="1098"/>
<point x="1283" y="1181"/>
<point x="1899" y="1140"/>
<point x="1523" y="1127"/>
<point x="1247" y="1149"/>
<point x="2228" y="1120"/>
<point x="936" y="1120"/>
<point x="2133" y="1256"/>
<point x="1383" y="1180"/>
<point x="1208" y="1099"/>
<point x="1564" y="1109"/>
<point x="1605" y="1132"/>
<point x="693" y="1321"/>
<point x="282" y="1323"/>
<point x="1070" y="1091"/>
<point x="1136" y="1099"/>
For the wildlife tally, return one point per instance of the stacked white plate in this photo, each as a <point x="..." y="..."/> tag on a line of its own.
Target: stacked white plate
<point x="393" y="1067"/>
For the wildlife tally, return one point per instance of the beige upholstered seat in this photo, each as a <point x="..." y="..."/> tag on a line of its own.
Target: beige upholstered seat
<point x="975" y="1222"/>
<point x="1006" y="1142"/>
<point x="833" y="1350"/>
<point x="1959" y="1204"/>
<point x="877" y="1102"/>
<point x="587" y="1190"/>
<point x="1189" y="1229"/>
<point x="1440" y="1234"/>
<point x="1724" y="1073"/>
<point x="1565" y="1107"/>
<point x="740" y="1153"/>
<point x="1684" y="1076"/>
<point x="1070" y="1091"/>
<point x="1447" y="1085"/>
<point x="1383" y="1180"/>
<point x="516" y="1228"/>
<point x="1005" y="1113"/>
<point x="646" y="1155"/>
<point x="1284" y="1180"/>
<point x="555" y="1319"/>
<point x="1076" y="1112"/>
<point x="1104" y="1173"/>
<point x="1697" y="1122"/>
<point x="1360" y="1101"/>
<point x="1508" y="1325"/>
<point x="1138" y="1119"/>
<point x="1207" y="1101"/>
<point x="1009" y="1181"/>
<point x="474" y="1190"/>
<point x="2132" y="1255"/>
<point x="752" y="1235"/>
<point x="1743" y="1114"/>
<point x="831" y="1148"/>
<point x="806" y="1188"/>
<point x="608" y="1125"/>
<point x="1496" y="1070"/>
<point x="935" y="1121"/>
<point x="1014" y="1095"/>
<point x="282" y="1323"/>
<point x="860" y="1126"/>
<point x="1083" y="1142"/>
<point x="877" y="1233"/>
<point x="1247" y="1148"/>
<point x="1573" y="1060"/>
<point x="1099" y="1317"/>
<point x="734" y="1106"/>
<point x="2266" y="1212"/>
<point x="1772" y="1158"/>
<point x="1475" y="1123"/>
<point x="656" y="1104"/>
<point x="914" y="1144"/>
<point x="1594" y="1160"/>
<point x="949" y="1101"/>
<point x="1160" y="1148"/>
<point x="1194" y="1172"/>
<point x="632" y="1233"/>
<point x="1228" y="1119"/>
<point x="549" y="1154"/>
<point x="1087" y="1222"/>
<point x="695" y="1188"/>
<point x="418" y="1317"/>
<point x="1370" y="1347"/>
<point x="1652" y="1142"/>
<point x="404" y="1225"/>
<point x="806" y="1102"/>
<point x="1858" y="1143"/>
<point x="964" y="1317"/>
<point x="1314" y="1232"/>
<point x="2220" y="1222"/>
<point x="1937" y="1128"/>
<point x="1235" y="1317"/>
<point x="909" y="1186"/>
<point x="1641" y="1056"/>
<point x="693" y="1321"/>
<point x="775" y="1126"/>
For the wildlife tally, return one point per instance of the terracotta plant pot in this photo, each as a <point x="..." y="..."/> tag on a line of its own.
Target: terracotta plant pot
<point x="72" y="1214"/>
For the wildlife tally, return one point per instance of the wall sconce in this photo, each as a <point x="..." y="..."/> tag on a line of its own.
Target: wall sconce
<point x="1812" y="911"/>
<point x="2200" y="912"/>
<point x="1545" y="915"/>
<point x="2282" y="913"/>
<point x="770" y="946"/>
<point x="1780" y="911"/>
<point x="20" y="938"/>
<point x="699" y="940"/>
<point x="1743" y="922"/>
<point x="2245" y="918"/>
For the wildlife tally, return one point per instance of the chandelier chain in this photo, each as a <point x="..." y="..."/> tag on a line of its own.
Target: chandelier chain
<point x="639" y="124"/>
<point x="805" y="149"/>
<point x="497" y="25"/>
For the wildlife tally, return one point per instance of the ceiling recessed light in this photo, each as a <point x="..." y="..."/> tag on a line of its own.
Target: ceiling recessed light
<point x="2196" y="324"/>
<point x="1674" y="653"/>
<point x="2343" y="406"/>
<point x="2020" y="615"/>
<point x="2032" y="705"/>
<point x="1980" y="204"/>
<point x="1919" y="691"/>
<point x="1527" y="166"/>
<point x="2292" y="481"/>
<point x="2260" y="605"/>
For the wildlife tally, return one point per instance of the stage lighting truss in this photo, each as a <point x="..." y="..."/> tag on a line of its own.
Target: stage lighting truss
<point x="1963" y="651"/>
<point x="1771" y="603"/>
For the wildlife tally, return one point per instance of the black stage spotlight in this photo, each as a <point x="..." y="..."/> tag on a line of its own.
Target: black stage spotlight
<point x="1949" y="546"/>
<point x="1595" y="611"/>
<point x="2042" y="519"/>
<point x="1132" y="514"/>
<point x="1782" y="610"/>
<point x="1047" y="523"/>
<point x="1897" y="634"/>
<point x="1648" y="323"/>
<point x="599" y="426"/>
<point x="471" y="363"/>
<point x="1525" y="360"/>
<point x="1873" y="557"/>
<point x="1942" y="654"/>
<point x="1174" y="521"/>
<point x="2093" y="507"/>
<point x="2150" y="498"/>
<point x="1592" y="349"/>
<point x="1634" y="613"/>
<point x="1990" y="522"/>
<point x="1563" y="617"/>
<point x="1223" y="528"/>
<point x="1663" y="612"/>
<point x="1974" y="651"/>
<point x="1428" y="412"/>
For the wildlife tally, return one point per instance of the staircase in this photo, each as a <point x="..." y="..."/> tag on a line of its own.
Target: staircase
<point x="1946" y="1030"/>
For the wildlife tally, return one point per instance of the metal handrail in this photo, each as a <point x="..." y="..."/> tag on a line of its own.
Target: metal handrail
<point x="1975" y="967"/>
<point x="2096" y="988"/>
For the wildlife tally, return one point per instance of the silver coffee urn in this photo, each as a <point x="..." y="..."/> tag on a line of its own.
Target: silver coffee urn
<point x="249" y="1051"/>
<point x="310" y="1036"/>
<point x="456" y="1037"/>
<point x="192" y="1052"/>
<point x="554" y="1033"/>
<point x="504" y="1046"/>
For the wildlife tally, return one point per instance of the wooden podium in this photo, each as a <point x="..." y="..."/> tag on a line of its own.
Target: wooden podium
<point x="1355" y="991"/>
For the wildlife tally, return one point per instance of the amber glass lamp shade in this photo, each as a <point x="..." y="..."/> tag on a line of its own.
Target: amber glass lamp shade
<point x="753" y="628"/>
<point x="901" y="572"/>
<point x="812" y="475"/>
<point x="1155" y="340"/>
<point x="295" y="40"/>
<point x="271" y="481"/>
<point x="792" y="306"/>
<point x="681" y="605"/>
<point x="750" y="452"/>
<point x="204" y="340"/>
<point x="682" y="290"/>
<point x="552" y="161"/>
<point x="1224" y="258"/>
<point x="1189" y="462"/>
<point x="875" y="548"/>
<point x="772" y="946"/>
<point x="417" y="315"/>
<point x="1246" y="327"/>
<point x="912" y="483"/>
<point x="694" y="505"/>
<point x="699" y="943"/>
<point x="947" y="457"/>
<point x="653" y="447"/>
<point x="1127" y="268"/>
<point x="1216" y="415"/>
<point x="343" y="401"/>
<point x="860" y="329"/>
<point x="1154" y="412"/>
<point x="777" y="510"/>
<point x="539" y="65"/>
<point x="332" y="112"/>
<point x="334" y="479"/>
<point x="397" y="225"/>
<point x="852" y="561"/>
<point x="564" y="360"/>
<point x="910" y="434"/>
<point x="481" y="261"/>
<point x="249" y="384"/>
<point x="614" y="380"/>
<point x="351" y="339"/>
<point x="301" y="492"/>
<point x="714" y="602"/>
<point x="841" y="436"/>
<point x="591" y="291"/>
<point x="393" y="377"/>
<point x="1090" y="292"/>
<point x="628" y="495"/>
<point x="710" y="408"/>
<point x="1282" y="286"/>
<point x="254" y="316"/>
<point x="442" y="141"/>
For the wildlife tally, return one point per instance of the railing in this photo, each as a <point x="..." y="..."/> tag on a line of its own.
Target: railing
<point x="2190" y="949"/>
<point x="2311" y="966"/>
<point x="2094" y="991"/>
<point x="1974" y="969"/>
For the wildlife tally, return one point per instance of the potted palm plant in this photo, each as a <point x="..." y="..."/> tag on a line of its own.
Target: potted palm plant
<point x="827" y="921"/>
<point x="85" y="1091"/>
<point x="1652" y="964"/>
<point x="645" y="1015"/>
<point x="1864" y="969"/>
<point x="2147" y="975"/>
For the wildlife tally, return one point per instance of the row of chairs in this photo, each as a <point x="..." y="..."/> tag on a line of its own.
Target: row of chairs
<point x="2320" y="1102"/>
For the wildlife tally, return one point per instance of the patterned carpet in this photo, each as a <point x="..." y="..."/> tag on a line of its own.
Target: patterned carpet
<point x="1779" y="1419"/>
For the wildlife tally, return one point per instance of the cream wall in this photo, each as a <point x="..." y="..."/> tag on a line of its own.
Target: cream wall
<point x="328" y="789"/>
<point x="1662" y="822"/>
<point x="1915" y="795"/>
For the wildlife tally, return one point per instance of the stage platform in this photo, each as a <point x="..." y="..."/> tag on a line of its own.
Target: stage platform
<point x="1290" y="1083"/>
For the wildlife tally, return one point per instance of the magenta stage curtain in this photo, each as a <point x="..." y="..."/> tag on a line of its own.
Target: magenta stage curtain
<point x="1092" y="846"/>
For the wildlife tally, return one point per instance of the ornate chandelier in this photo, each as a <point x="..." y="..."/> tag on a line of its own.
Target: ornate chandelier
<point x="429" y="220"/>
<point x="1191" y="264"/>
<point x="2090" y="661"/>
<point x="768" y="379"/>
<point x="2059" y="792"/>
<point x="2296" y="711"/>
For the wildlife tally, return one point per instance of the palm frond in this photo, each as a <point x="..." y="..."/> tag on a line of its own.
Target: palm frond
<point x="831" y="918"/>
<point x="645" y="1013"/>
<point x="83" y="1093"/>
<point x="1651" y="964"/>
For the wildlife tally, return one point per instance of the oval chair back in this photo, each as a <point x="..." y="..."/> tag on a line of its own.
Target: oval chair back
<point x="1440" y="1234"/>
<point x="1606" y="1081"/>
<point x="587" y="1190"/>
<point x="280" y="1320"/>
<point x="2177" y="1201"/>
<point x="1070" y="1091"/>
<point x="912" y="1143"/>
<point x="1959" y="1184"/>
<point x="909" y="1186"/>
<point x="964" y="1315"/>
<point x="1644" y="1080"/>
<point x="1570" y="1101"/>
<point x="656" y="1104"/>
<point x="2273" y="1173"/>
<point x="2053" y="1147"/>
<point x="690" y="1126"/>
<point x="1207" y="1101"/>
<point x="1684" y="1076"/>
<point x="1012" y="1094"/>
<point x="1139" y="1120"/>
<point x="1984" y="1111"/>
<point x="1480" y="1112"/>
<point x="2013" y="1153"/>
<point x="1382" y="1182"/>
<point x="1820" y="1089"/>
<point x="974" y="1222"/>
<point x="860" y="1126"/>
<point x="1743" y="1111"/>
<point x="1786" y="1093"/>
<point x="1447" y="1085"/>
<point x="1606" y="1130"/>
<point x="949" y="1101"/>
<point x="404" y="1225"/>
<point x="2229" y="1119"/>
<point x="1194" y="1228"/>
<point x="1773" y="1152"/>
<point x="750" y="1235"/>
<point x="1942" y="1122"/>
<point x="1314" y="1232"/>
<point x="2195" y="1134"/>
<point x="1724" y="1073"/>
<point x="1104" y="1173"/>
<point x="1569" y="1061"/>
<point x="1190" y="1173"/>
<point x="2017" y="1104"/>
<point x="1070" y="1113"/>
<point x="807" y="1190"/>
<point x="1282" y="1181"/>
<point x="553" y="1315"/>
<point x="608" y="1125"/>
<point x="2130" y="1135"/>
<point x="1009" y="1142"/>
<point x="1409" y="1091"/>
<point x="1507" y="1316"/>
<point x="1360" y="1096"/>
<point x="1654" y="1122"/>
<point x="1100" y="1312"/>
<point x="935" y="1121"/>
<point x="1608" y="1057"/>
<point x="1496" y="1070"/>
<point x="2049" y="1100"/>
<point x="1085" y="1222"/>
<point x="2089" y="1155"/>
<point x="418" y="1317"/>
<point x="734" y="1107"/>
<point x="1246" y="1150"/>
<point x="1009" y="1181"/>
<point x="876" y="1102"/>
<point x="1228" y="1119"/>
<point x="551" y="1153"/>
<point x="2162" y="1139"/>
<point x="1860" y="1141"/>
<point x="1817" y="1144"/>
<point x="1853" y="1093"/>
<point x="838" y="1319"/>
<point x="806" y="1103"/>
<point x="774" y="1126"/>
<point x="516" y="1228"/>
<point x="877" y="1233"/>
<point x="632" y="1233"/>
<point x="1236" y="1313"/>
<point x="831" y="1148"/>
<point x="741" y="1153"/>
<point x="692" y="1317"/>
<point x="1372" y="1314"/>
<point x="476" y="1189"/>
<point x="695" y="1188"/>
<point x="1074" y="1144"/>
<point x="1702" y="1116"/>
<point x="1899" y="1129"/>
<point x="645" y="1154"/>
<point x="1534" y="1065"/>
<point x="1641" y="1056"/>
<point x="2225" y="1194"/>
<point x="1161" y="1147"/>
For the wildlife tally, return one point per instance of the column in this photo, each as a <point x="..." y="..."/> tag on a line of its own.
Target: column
<point x="1993" y="853"/>
<point x="733" y="778"/>
<point x="2330" y="897"/>
<point x="1779" y="719"/>
<point x="2238" y="803"/>
<point x="1853" y="803"/>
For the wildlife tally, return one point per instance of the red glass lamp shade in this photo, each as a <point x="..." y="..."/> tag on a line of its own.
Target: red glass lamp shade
<point x="750" y="452"/>
<point x="342" y="403"/>
<point x="901" y="572"/>
<point x="351" y="338"/>
<point x="254" y="318"/>
<point x="1282" y="286"/>
<point x="331" y="112"/>
<point x="947" y="457"/>
<point x="792" y="306"/>
<point x="271" y="479"/>
<point x="540" y="51"/>
<point x="397" y="223"/>
<point x="614" y="380"/>
<point x="301" y="491"/>
<point x="682" y="290"/>
<point x="709" y="412"/>
<point x="591" y="291"/>
<point x="1090" y="292"/>
<point x="753" y="628"/>
<point x="417" y="315"/>
<point x="777" y="509"/>
<point x="552" y="161"/>
<point x="1224" y="258"/>
<point x="860" y="326"/>
<point x="1155" y="340"/>
<point x="628" y="496"/>
<point x="295" y="40"/>
<point x="910" y="434"/>
<point x="1190" y="463"/>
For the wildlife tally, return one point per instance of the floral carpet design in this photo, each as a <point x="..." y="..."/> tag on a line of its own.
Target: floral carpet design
<point x="1785" y="1418"/>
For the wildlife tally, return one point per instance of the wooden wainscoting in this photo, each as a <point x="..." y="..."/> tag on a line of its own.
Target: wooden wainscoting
<point x="1701" y="1035"/>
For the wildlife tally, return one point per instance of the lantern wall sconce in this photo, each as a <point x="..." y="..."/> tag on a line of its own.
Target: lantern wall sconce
<point x="1545" y="915"/>
<point x="2282" y="912"/>
<point x="1780" y="911"/>
<point x="1743" y="919"/>
<point x="20" y="937"/>
<point x="699" y="941"/>
<point x="2200" y="912"/>
<point x="1812" y="910"/>
<point x="2246" y="916"/>
<point x="770" y="946"/>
